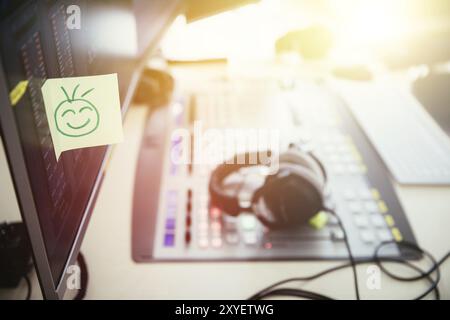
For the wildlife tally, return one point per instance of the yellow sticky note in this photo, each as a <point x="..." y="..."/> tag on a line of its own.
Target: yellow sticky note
<point x="83" y="111"/>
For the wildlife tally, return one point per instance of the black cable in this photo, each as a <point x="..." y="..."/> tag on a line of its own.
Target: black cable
<point x="347" y="244"/>
<point x="270" y="291"/>
<point x="266" y="291"/>
<point x="409" y="245"/>
<point x="84" y="280"/>
<point x="296" y="293"/>
<point x="424" y="275"/>
<point x="84" y="277"/>
<point x="29" y="288"/>
<point x="441" y="261"/>
<point x="350" y="255"/>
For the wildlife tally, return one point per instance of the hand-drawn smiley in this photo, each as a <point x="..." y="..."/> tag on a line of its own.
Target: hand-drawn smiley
<point x="76" y="117"/>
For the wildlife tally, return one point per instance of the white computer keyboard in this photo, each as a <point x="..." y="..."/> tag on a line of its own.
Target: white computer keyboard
<point x="412" y="145"/>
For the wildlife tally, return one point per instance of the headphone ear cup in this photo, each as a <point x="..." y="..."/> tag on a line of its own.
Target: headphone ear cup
<point x="292" y="197"/>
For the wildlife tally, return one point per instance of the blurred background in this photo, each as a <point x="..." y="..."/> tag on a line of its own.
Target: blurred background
<point x="356" y="30"/>
<point x="350" y="39"/>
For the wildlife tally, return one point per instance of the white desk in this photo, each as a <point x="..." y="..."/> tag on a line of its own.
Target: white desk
<point x="113" y="274"/>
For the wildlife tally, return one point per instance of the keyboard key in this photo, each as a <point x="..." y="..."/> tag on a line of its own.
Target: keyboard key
<point x="338" y="169"/>
<point x="250" y="238"/>
<point x="203" y="242"/>
<point x="348" y="158"/>
<point x="216" y="227"/>
<point x="397" y="234"/>
<point x="330" y="203"/>
<point x="377" y="220"/>
<point x="203" y="232"/>
<point x="268" y="245"/>
<point x="384" y="235"/>
<point x="367" y="236"/>
<point x="371" y="206"/>
<point x="203" y="226"/>
<point x="355" y="207"/>
<point x="365" y="194"/>
<point x="334" y="158"/>
<point x="361" y="221"/>
<point x="232" y="238"/>
<point x="330" y="149"/>
<point x="215" y="212"/>
<point x="389" y="220"/>
<point x="216" y="242"/>
<point x="332" y="220"/>
<point x="202" y="170"/>
<point x="203" y="213"/>
<point x="319" y="220"/>
<point x="353" y="169"/>
<point x="382" y="206"/>
<point x="248" y="222"/>
<point x="169" y="240"/>
<point x="230" y="225"/>
<point x="349" y="194"/>
<point x="337" y="234"/>
<point x="170" y="223"/>
<point x="375" y="194"/>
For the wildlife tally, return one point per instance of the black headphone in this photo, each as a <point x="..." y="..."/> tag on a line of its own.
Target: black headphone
<point x="290" y="196"/>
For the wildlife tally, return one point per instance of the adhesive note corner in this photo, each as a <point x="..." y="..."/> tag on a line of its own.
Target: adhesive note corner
<point x="83" y="111"/>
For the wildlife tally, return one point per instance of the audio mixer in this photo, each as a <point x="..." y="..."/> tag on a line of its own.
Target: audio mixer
<point x="174" y="221"/>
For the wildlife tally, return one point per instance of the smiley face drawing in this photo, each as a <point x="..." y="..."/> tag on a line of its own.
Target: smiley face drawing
<point x="76" y="117"/>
